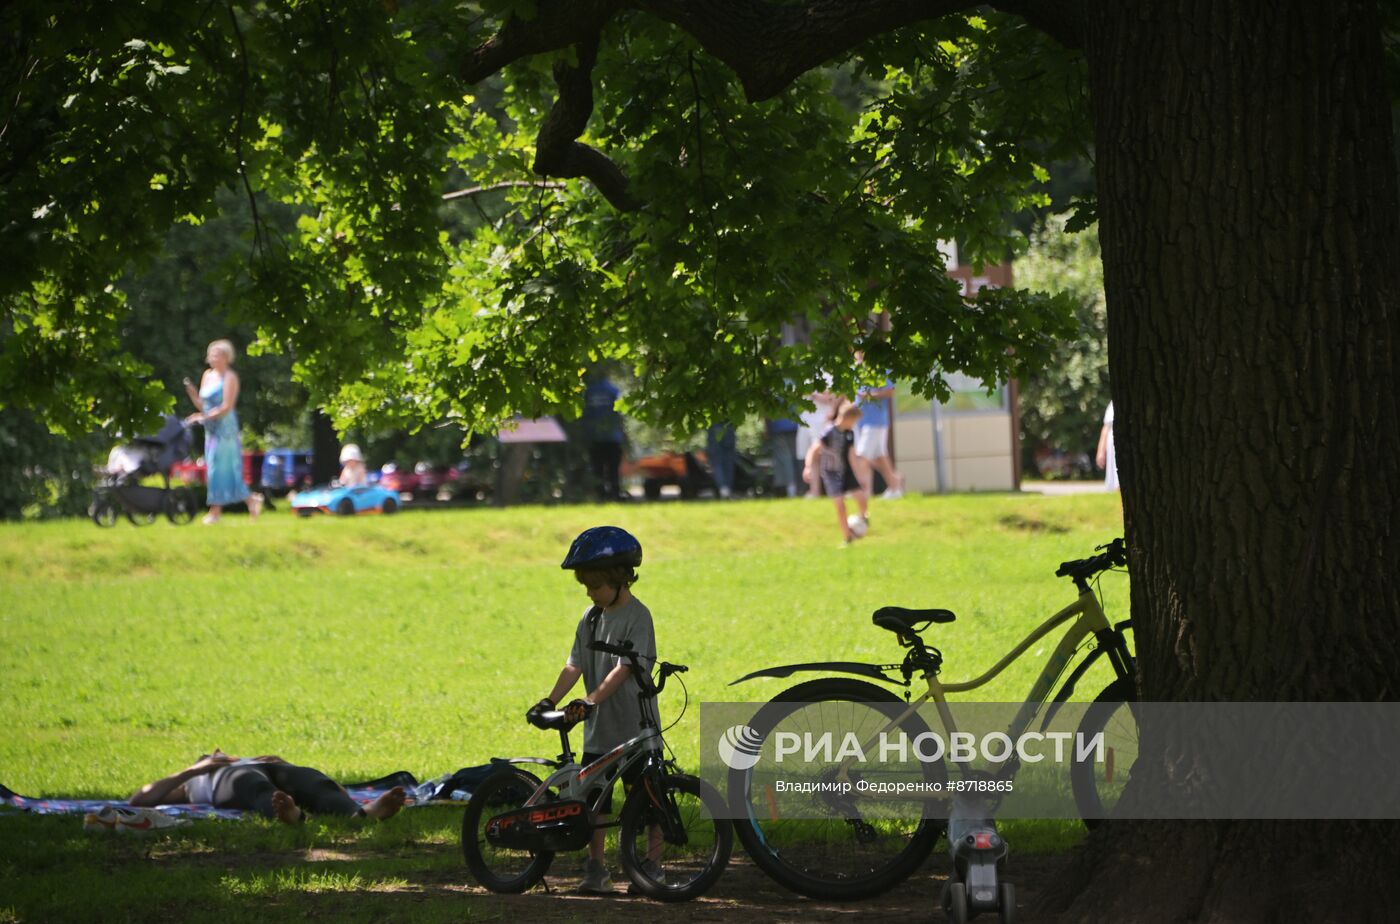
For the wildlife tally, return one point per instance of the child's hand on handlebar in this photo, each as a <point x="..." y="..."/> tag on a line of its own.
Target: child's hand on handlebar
<point x="535" y="711"/>
<point x="579" y="709"/>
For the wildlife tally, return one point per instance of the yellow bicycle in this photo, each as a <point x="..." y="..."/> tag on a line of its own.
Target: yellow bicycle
<point x="848" y="842"/>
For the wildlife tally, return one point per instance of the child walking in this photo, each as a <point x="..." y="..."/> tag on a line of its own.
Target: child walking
<point x="830" y="459"/>
<point x="604" y="560"/>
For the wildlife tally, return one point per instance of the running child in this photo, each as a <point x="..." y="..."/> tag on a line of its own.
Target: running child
<point x="830" y="459"/>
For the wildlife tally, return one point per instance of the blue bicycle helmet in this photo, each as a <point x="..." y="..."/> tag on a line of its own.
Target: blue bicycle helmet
<point x="603" y="547"/>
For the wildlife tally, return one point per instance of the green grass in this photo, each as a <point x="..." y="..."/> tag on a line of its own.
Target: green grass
<point x="417" y="641"/>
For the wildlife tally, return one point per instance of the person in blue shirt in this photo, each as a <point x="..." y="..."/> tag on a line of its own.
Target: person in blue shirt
<point x="720" y="451"/>
<point x="782" y="436"/>
<point x="873" y="442"/>
<point x="602" y="432"/>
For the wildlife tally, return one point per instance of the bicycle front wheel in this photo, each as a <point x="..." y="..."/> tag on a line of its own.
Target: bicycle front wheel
<point x="836" y="845"/>
<point x="501" y="869"/>
<point x="675" y="839"/>
<point x="1099" y="784"/>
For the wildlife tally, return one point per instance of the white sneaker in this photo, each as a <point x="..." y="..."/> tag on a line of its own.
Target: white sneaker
<point x="893" y="493"/>
<point x="596" y="880"/>
<point x="209" y="519"/>
<point x="130" y="820"/>
<point x="255" y="505"/>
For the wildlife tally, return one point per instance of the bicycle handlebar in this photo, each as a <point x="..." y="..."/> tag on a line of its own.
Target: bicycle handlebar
<point x="1114" y="555"/>
<point x="664" y="669"/>
<point x="619" y="650"/>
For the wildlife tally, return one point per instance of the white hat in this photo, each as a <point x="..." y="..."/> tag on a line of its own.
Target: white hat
<point x="350" y="453"/>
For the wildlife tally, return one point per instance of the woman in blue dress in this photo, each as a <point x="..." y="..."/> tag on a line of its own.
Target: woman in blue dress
<point x="217" y="398"/>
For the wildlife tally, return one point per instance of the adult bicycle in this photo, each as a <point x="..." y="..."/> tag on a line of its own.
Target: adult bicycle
<point x="847" y="841"/>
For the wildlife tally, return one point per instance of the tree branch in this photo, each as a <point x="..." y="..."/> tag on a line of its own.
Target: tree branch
<point x="1062" y="20"/>
<point x="259" y="239"/>
<point x="556" y="24"/>
<point x="504" y="184"/>
<point x="557" y="153"/>
<point x="769" y="45"/>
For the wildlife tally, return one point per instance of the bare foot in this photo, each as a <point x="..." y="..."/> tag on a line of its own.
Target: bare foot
<point x="286" y="809"/>
<point x="387" y="805"/>
<point x="255" y="505"/>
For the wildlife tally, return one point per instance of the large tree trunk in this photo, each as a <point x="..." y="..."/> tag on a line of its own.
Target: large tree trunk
<point x="1249" y="215"/>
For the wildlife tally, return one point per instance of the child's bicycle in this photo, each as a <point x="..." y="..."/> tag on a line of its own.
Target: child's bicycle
<point x="674" y="837"/>
<point x="853" y="843"/>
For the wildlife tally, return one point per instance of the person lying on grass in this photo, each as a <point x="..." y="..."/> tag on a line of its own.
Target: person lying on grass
<point x="267" y="785"/>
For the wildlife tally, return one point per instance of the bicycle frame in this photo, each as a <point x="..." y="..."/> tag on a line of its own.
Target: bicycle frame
<point x="1089" y="620"/>
<point x="574" y="781"/>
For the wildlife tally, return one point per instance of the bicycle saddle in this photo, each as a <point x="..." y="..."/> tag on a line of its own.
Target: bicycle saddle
<point x="899" y="619"/>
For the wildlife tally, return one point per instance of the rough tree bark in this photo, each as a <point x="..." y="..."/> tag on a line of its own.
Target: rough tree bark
<point x="1250" y="229"/>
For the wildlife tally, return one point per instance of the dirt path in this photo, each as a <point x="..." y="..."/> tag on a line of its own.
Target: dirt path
<point x="745" y="892"/>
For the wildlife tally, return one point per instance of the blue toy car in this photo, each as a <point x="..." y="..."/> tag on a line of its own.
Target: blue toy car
<point x="345" y="500"/>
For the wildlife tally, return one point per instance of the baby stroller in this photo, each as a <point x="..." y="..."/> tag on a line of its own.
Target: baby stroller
<point x="121" y="491"/>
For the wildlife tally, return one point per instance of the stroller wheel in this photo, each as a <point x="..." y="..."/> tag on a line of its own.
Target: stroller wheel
<point x="179" y="506"/>
<point x="139" y="518"/>
<point x="103" y="513"/>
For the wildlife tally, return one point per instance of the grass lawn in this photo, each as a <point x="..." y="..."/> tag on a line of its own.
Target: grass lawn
<point x="416" y="642"/>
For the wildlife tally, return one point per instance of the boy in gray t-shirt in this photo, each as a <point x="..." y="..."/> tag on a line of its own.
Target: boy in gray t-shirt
<point x="604" y="560"/>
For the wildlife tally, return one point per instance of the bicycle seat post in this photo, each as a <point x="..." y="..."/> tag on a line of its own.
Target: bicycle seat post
<point x="567" y="754"/>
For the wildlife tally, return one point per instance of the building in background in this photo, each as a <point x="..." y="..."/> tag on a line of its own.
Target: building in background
<point x="970" y="442"/>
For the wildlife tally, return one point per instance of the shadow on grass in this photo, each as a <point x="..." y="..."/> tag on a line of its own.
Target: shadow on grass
<point x="409" y="869"/>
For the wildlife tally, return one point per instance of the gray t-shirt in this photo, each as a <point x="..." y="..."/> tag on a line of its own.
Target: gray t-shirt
<point x="619" y="716"/>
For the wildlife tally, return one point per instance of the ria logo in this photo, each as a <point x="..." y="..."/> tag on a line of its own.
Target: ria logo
<point x="739" y="746"/>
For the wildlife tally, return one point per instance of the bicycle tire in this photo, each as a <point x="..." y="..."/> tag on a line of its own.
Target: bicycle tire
<point x="837" y="857"/>
<point x="675" y="872"/>
<point x="500" y="870"/>
<point x="1096" y="790"/>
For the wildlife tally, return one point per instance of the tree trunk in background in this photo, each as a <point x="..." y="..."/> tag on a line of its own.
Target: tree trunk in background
<point x="325" y="449"/>
<point x="1248" y="217"/>
<point x="510" y="477"/>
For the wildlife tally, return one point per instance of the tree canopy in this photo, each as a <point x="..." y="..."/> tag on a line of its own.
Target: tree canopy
<point x="719" y="204"/>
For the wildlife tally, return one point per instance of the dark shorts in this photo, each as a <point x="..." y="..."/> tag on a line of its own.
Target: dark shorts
<point x="629" y="778"/>
<point x="250" y="787"/>
<point x="839" y="483"/>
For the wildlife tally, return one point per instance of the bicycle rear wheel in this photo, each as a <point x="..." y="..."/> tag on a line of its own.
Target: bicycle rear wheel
<point x="1099" y="784"/>
<point x="501" y="869"/>
<point x="835" y="845"/>
<point x="681" y="864"/>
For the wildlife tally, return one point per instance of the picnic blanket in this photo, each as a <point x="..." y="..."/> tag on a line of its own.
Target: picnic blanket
<point x="450" y="786"/>
<point x="82" y="806"/>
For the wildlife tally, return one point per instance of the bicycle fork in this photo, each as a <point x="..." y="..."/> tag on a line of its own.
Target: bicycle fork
<point x="666" y="810"/>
